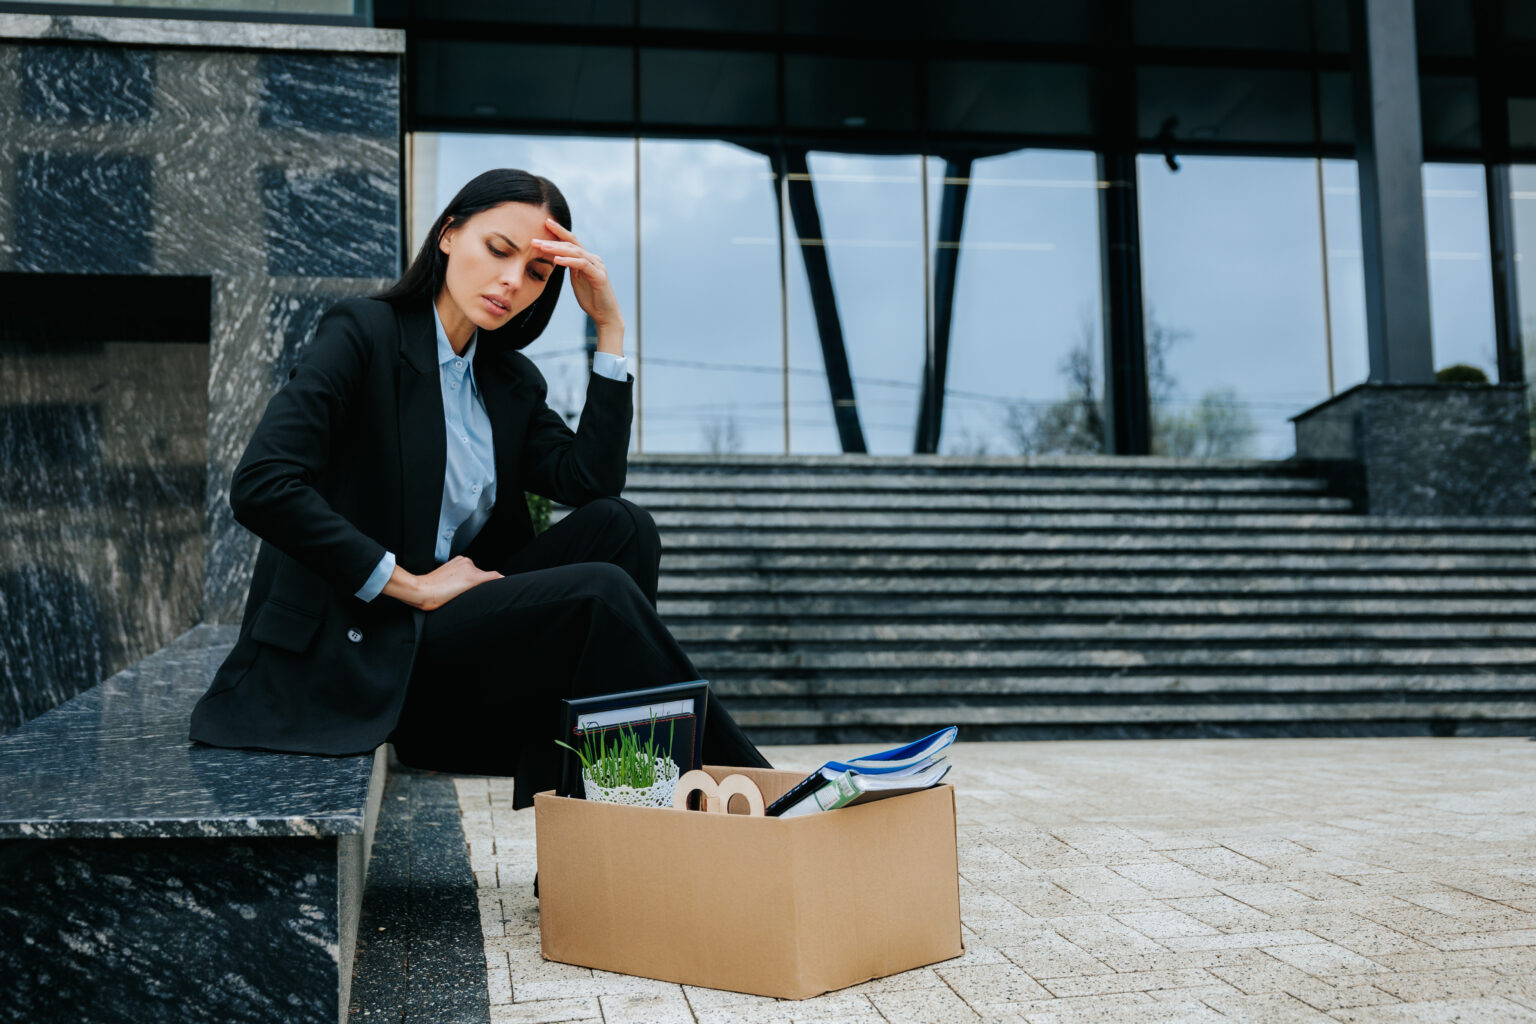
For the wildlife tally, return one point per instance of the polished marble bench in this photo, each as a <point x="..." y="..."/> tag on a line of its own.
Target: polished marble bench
<point x="146" y="878"/>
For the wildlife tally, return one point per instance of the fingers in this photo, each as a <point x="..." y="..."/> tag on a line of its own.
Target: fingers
<point x="587" y="266"/>
<point x="558" y="229"/>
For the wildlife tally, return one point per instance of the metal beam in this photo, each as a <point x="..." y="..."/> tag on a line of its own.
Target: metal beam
<point x="1127" y="412"/>
<point x="818" y="274"/>
<point x="946" y="266"/>
<point x="1390" y="154"/>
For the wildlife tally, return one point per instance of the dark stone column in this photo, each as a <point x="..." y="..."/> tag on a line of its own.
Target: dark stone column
<point x="1389" y="148"/>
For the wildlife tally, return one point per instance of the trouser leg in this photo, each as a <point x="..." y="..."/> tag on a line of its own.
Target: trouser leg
<point x="608" y="530"/>
<point x="494" y="663"/>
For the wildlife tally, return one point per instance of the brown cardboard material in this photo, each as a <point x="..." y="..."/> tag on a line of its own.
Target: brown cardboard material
<point x="775" y="907"/>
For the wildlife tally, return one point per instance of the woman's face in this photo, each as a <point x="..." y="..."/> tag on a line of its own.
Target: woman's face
<point x="494" y="272"/>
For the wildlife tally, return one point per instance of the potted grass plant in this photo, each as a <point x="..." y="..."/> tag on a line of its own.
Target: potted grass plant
<point x="618" y="768"/>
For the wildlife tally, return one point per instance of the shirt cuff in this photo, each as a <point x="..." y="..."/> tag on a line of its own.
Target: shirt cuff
<point x="381" y="574"/>
<point x="606" y="364"/>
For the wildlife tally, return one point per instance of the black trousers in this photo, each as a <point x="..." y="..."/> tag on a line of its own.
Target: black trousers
<point x="574" y="616"/>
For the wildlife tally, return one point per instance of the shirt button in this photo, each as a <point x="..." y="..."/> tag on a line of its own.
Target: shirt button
<point x="454" y="385"/>
<point x="447" y="533"/>
<point x="464" y="439"/>
<point x="355" y="635"/>
<point x="475" y="489"/>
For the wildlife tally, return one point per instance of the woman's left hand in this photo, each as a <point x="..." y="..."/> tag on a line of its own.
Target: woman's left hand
<point x="589" y="278"/>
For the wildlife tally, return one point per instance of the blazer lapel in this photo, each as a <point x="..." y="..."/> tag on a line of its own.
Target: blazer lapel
<point x="423" y="438"/>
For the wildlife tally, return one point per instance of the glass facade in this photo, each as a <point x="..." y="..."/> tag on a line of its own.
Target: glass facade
<point x="810" y="307"/>
<point x="1237" y="329"/>
<point x="774" y="312"/>
<point x="1460" y="270"/>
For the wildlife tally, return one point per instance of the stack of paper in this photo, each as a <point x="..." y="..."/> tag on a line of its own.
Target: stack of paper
<point x="871" y="777"/>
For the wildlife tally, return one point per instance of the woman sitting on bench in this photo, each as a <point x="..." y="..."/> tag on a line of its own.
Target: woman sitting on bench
<point x="400" y="593"/>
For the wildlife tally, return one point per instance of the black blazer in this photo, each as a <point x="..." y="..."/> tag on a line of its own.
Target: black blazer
<point x="348" y="461"/>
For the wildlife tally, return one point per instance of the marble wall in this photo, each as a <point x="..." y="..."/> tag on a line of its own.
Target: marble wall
<point x="1426" y="449"/>
<point x="270" y="170"/>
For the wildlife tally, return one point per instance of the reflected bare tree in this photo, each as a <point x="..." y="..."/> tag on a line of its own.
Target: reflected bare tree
<point x="722" y="435"/>
<point x="1215" y="426"/>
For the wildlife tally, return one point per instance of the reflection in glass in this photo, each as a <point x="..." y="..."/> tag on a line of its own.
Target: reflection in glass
<point x="1235" y="323"/>
<point x="871" y="221"/>
<point x="1522" y="187"/>
<point x="1346" y="274"/>
<point x="1025" y="351"/>
<point x="1460" y="270"/>
<point x="597" y="177"/>
<point x="714" y="369"/>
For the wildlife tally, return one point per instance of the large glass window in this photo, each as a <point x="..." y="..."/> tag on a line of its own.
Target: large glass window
<point x="1345" y="297"/>
<point x="1460" y="270"/>
<point x="868" y="287"/>
<point x="1522" y="187"/>
<point x="1235" y="319"/>
<point x="713" y="374"/>
<point x="1025" y="349"/>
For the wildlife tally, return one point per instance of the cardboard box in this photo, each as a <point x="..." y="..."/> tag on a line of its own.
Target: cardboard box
<point x="775" y="907"/>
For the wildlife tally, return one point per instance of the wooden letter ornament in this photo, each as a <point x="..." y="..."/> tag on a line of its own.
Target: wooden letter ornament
<point x="717" y="795"/>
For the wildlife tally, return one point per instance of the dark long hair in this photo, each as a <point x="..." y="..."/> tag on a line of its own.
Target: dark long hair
<point x="423" y="279"/>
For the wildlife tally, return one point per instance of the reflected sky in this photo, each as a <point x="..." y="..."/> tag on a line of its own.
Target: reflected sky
<point x="1252" y="277"/>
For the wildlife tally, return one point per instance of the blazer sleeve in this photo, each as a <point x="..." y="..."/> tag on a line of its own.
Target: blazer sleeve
<point x="273" y="493"/>
<point x="575" y="466"/>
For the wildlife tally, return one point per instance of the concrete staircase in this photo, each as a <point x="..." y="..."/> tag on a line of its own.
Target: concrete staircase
<point x="866" y="598"/>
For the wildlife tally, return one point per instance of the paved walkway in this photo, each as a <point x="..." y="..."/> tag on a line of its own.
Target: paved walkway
<point x="1275" y="881"/>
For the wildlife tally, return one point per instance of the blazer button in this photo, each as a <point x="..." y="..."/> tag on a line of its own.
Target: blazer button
<point x="355" y="635"/>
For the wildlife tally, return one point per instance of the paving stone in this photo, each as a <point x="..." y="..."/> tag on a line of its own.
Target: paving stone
<point x="1164" y="924"/>
<point x="1324" y="959"/>
<point x="1167" y="879"/>
<point x="1454" y="1011"/>
<point x="1428" y="986"/>
<point x="923" y="1006"/>
<point x="1136" y="981"/>
<point x="991" y="983"/>
<point x="1267" y="1008"/>
<point x="655" y="1008"/>
<point x="1222" y="912"/>
<point x="1051" y="956"/>
<point x="1239" y="940"/>
<point x="545" y="1010"/>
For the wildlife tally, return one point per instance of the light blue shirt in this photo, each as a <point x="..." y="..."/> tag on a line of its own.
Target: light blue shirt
<point x="469" y="474"/>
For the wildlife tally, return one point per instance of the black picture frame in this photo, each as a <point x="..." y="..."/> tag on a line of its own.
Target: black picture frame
<point x="634" y="708"/>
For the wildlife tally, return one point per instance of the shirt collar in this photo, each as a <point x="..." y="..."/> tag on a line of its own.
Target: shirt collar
<point x="446" y="356"/>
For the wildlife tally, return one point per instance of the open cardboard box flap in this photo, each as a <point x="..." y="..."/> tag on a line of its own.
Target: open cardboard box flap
<point x="777" y="907"/>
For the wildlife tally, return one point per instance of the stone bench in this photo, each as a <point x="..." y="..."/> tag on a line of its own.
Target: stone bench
<point x="147" y="878"/>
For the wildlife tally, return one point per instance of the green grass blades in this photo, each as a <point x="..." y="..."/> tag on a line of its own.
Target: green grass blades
<point x="625" y="761"/>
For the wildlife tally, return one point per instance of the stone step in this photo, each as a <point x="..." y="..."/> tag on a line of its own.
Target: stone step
<point x="685" y="561"/>
<point x="972" y="688"/>
<point x="740" y="659"/>
<point x="1077" y="522"/>
<point x="1310" y="539"/>
<point x="971" y="505"/>
<point x="921" y="719"/>
<point x="756" y="606"/>
<point x="865" y="587"/>
<point x="798" y="633"/>
<point x="659" y="481"/>
<point x="973" y="465"/>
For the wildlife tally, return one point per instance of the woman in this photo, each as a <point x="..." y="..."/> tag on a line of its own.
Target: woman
<point x="399" y="592"/>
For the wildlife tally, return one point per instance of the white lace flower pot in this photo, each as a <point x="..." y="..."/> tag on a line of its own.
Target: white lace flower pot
<point x="658" y="795"/>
